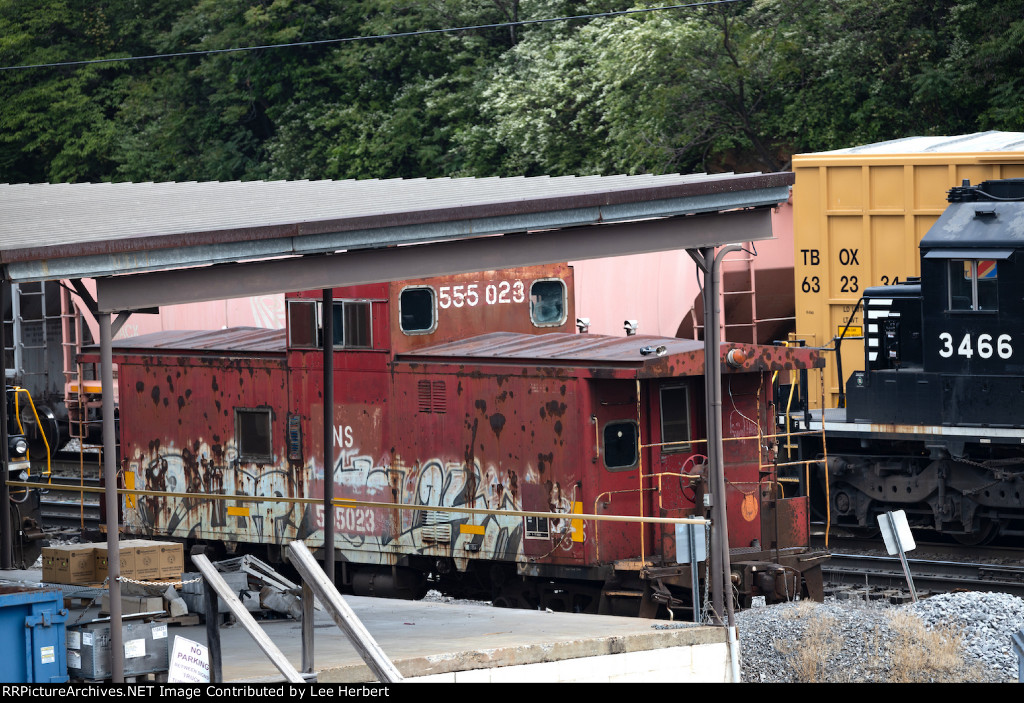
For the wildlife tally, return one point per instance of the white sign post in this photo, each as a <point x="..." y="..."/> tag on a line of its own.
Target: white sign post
<point x="899" y="540"/>
<point x="190" y="662"/>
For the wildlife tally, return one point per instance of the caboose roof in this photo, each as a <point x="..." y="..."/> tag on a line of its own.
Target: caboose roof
<point x="250" y="340"/>
<point x="680" y="357"/>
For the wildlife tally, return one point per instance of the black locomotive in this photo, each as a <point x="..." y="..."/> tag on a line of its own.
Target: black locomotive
<point x="934" y="424"/>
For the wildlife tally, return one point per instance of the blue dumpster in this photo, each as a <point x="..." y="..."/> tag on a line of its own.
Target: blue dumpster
<point x="32" y="630"/>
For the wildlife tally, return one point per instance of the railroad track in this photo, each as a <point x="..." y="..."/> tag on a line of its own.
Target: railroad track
<point x="935" y="568"/>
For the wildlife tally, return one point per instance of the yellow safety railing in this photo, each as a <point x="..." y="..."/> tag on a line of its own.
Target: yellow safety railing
<point x="18" y="390"/>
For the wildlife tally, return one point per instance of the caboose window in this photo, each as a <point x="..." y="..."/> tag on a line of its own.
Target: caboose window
<point x="416" y="310"/>
<point x="973" y="284"/>
<point x="547" y="302"/>
<point x="252" y="433"/>
<point x="675" y="419"/>
<point x="351" y="324"/>
<point x="303" y="324"/>
<point x="620" y="445"/>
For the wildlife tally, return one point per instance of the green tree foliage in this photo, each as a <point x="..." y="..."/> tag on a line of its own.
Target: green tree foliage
<point x="741" y="86"/>
<point x="59" y="124"/>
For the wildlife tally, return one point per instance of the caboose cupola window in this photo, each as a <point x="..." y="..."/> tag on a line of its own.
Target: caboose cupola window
<point x="973" y="284"/>
<point x="621" y="442"/>
<point x="416" y="310"/>
<point x="548" y="302"/>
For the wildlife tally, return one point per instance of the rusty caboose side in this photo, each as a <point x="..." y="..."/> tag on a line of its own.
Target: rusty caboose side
<point x="471" y="391"/>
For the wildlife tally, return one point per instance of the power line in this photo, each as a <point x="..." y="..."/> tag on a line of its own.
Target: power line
<point x="343" y="40"/>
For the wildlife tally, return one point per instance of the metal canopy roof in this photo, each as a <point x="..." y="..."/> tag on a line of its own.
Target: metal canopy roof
<point x="51" y="231"/>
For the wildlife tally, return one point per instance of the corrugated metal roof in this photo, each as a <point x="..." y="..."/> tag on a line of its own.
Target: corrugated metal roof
<point x="964" y="143"/>
<point x="236" y="339"/>
<point x="73" y="230"/>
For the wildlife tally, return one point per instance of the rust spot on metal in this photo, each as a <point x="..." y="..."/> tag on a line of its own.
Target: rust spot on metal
<point x="555" y="409"/>
<point x="497" y="421"/>
<point x="513" y="485"/>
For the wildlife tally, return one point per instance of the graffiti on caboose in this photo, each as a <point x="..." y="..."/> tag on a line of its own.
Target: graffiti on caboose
<point x="364" y="531"/>
<point x="211" y="469"/>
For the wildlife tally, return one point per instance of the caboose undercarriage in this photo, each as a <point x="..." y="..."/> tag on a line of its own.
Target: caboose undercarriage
<point x="628" y="588"/>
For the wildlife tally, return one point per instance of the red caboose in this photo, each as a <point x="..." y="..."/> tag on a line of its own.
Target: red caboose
<point x="472" y="391"/>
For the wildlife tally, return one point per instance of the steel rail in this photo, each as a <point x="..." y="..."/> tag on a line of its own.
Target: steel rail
<point x="929" y="574"/>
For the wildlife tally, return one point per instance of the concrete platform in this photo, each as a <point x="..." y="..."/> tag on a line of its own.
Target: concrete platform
<point x="442" y="642"/>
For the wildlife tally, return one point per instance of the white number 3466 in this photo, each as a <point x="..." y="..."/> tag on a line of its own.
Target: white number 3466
<point x="984" y="347"/>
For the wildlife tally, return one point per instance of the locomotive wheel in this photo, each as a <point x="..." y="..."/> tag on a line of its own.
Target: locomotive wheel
<point x="985" y="534"/>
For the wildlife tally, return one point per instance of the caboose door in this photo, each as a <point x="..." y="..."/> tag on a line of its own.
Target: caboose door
<point x="617" y="460"/>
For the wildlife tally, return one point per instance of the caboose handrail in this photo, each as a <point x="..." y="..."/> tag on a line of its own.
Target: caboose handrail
<point x="349" y="503"/>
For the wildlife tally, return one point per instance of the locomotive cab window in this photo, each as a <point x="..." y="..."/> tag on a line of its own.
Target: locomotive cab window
<point x="253" y="434"/>
<point x="621" y="445"/>
<point x="548" y="302"/>
<point x="416" y="310"/>
<point x="675" y="419"/>
<point x="973" y="285"/>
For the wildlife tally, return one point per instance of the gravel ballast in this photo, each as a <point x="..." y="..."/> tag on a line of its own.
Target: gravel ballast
<point x="958" y="637"/>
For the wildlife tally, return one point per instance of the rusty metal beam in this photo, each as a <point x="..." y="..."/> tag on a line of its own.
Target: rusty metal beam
<point x="399" y="263"/>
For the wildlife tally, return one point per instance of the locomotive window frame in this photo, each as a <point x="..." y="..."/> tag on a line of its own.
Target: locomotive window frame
<point x="254" y="434"/>
<point x="613" y="439"/>
<point x="672" y="422"/>
<point x="969" y="291"/>
<point x="418" y="314"/>
<point x="544" y="303"/>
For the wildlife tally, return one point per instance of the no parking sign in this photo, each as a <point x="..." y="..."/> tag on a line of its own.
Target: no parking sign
<point x="190" y="662"/>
